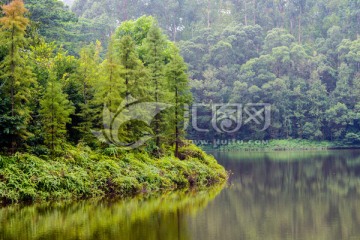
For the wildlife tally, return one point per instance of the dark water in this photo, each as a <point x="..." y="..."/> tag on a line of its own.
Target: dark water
<point x="297" y="195"/>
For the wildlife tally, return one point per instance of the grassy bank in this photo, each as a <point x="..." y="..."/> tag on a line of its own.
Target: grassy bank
<point x="278" y="145"/>
<point x="82" y="173"/>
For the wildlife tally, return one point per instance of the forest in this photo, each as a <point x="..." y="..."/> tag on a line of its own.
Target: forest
<point x="50" y="97"/>
<point x="179" y="119"/>
<point x="300" y="56"/>
<point x="67" y="68"/>
<point x="90" y="123"/>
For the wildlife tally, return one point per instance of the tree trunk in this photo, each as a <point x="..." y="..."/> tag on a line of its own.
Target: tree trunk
<point x="299" y="26"/>
<point x="208" y="14"/>
<point x="12" y="66"/>
<point x="245" y="15"/>
<point x="255" y="11"/>
<point x="12" y="84"/>
<point x="177" y="135"/>
<point x="175" y="31"/>
<point x="125" y="7"/>
<point x="157" y="117"/>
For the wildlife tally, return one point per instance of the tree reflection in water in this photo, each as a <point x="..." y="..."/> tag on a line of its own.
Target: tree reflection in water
<point x="311" y="195"/>
<point x="272" y="196"/>
<point x="157" y="218"/>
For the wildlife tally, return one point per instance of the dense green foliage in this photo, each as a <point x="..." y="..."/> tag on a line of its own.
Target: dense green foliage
<point x="307" y="20"/>
<point x="83" y="173"/>
<point x="300" y="56"/>
<point x="54" y="104"/>
<point x="55" y="113"/>
<point x="15" y="74"/>
<point x="313" y="89"/>
<point x="69" y="93"/>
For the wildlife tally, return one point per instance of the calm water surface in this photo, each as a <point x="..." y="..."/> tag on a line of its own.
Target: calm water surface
<point x="296" y="195"/>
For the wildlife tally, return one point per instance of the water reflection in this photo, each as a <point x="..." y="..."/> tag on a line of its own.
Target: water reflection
<point x="272" y="196"/>
<point x="158" y="218"/>
<point x="286" y="196"/>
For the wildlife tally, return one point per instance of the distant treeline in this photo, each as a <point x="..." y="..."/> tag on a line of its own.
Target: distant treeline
<point x="301" y="56"/>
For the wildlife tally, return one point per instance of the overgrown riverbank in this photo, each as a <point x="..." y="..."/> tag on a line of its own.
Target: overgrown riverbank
<point x="279" y="145"/>
<point x="83" y="173"/>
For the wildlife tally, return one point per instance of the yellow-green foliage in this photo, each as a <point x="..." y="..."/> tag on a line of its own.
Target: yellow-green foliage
<point x="82" y="173"/>
<point x="119" y="219"/>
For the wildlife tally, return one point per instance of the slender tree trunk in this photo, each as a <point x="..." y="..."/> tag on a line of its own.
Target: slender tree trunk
<point x="127" y="90"/>
<point x="177" y="135"/>
<point x="255" y="11"/>
<point x="157" y="117"/>
<point x="358" y="29"/>
<point x="208" y="14"/>
<point x="175" y="31"/>
<point x="299" y="27"/>
<point x="127" y="69"/>
<point x="125" y="10"/>
<point x="110" y="90"/>
<point x="245" y="15"/>
<point x="12" y="66"/>
<point x="12" y="84"/>
<point x="52" y="122"/>
<point x="85" y="87"/>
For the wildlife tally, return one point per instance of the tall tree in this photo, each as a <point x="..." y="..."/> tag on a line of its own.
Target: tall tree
<point x="154" y="59"/>
<point x="86" y="76"/>
<point x="55" y="113"/>
<point x="136" y="85"/>
<point x="110" y="85"/>
<point x="179" y="87"/>
<point x="134" y="72"/>
<point x="15" y="74"/>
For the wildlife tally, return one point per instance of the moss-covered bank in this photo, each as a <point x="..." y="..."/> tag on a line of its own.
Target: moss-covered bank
<point x="82" y="173"/>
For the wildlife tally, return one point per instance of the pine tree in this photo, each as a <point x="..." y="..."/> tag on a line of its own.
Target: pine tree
<point x="134" y="72"/>
<point x="86" y="75"/>
<point x="110" y="85"/>
<point x="15" y="74"/>
<point x="55" y="113"/>
<point x="155" y="46"/>
<point x="135" y="75"/>
<point x="179" y="86"/>
<point x="109" y="88"/>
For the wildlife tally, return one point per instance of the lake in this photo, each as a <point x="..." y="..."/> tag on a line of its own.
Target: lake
<point x="281" y="195"/>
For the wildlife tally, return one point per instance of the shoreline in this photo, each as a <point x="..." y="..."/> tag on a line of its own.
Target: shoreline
<point x="83" y="174"/>
<point x="281" y="146"/>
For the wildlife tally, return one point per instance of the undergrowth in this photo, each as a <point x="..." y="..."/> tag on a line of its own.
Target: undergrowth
<point x="82" y="173"/>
